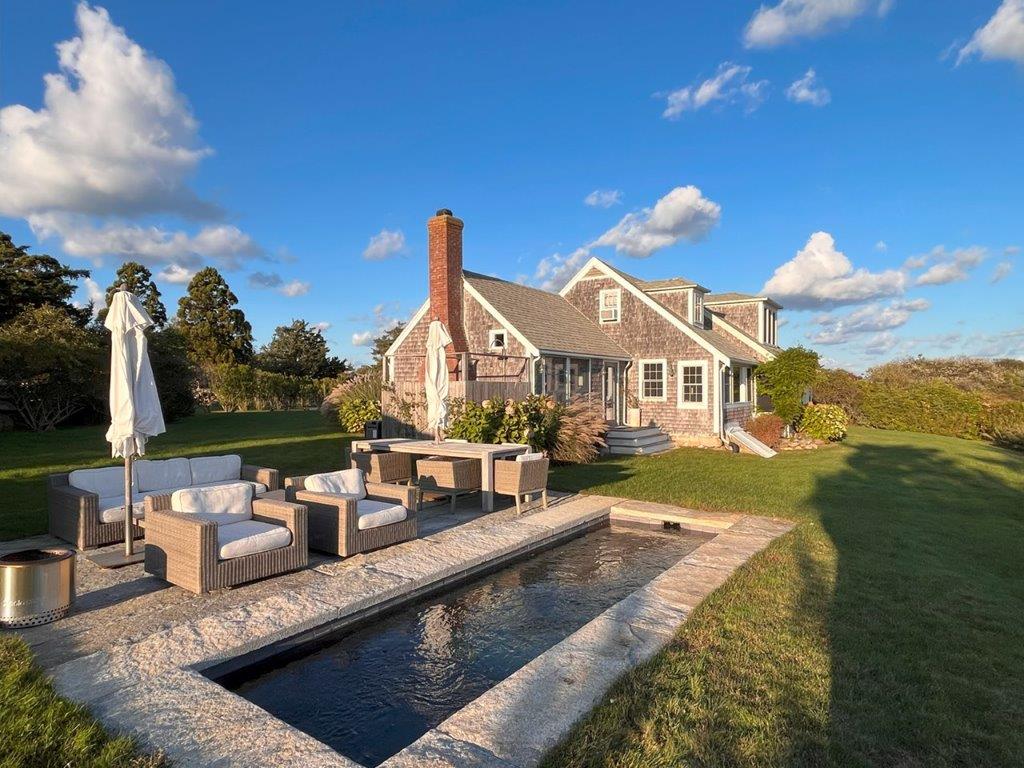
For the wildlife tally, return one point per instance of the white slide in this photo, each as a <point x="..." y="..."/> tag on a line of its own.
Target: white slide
<point x="740" y="436"/>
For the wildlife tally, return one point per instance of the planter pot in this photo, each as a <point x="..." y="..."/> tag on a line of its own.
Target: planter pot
<point x="633" y="417"/>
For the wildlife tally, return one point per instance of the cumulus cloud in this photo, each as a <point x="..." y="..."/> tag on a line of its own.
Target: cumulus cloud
<point x="114" y="141"/>
<point x="881" y="246"/>
<point x="384" y="245"/>
<point x="809" y="90"/>
<point x="554" y="271"/>
<point x="682" y="214"/>
<point x="950" y="266"/>
<point x="873" y="318"/>
<point x="822" y="276"/>
<point x="603" y="198"/>
<point x="175" y="274"/>
<point x="362" y="339"/>
<point x="731" y="83"/>
<point x="1001" y="272"/>
<point x="383" y="318"/>
<point x="1002" y="36"/>
<point x="94" y="294"/>
<point x="792" y="19"/>
<point x="322" y="326"/>
<point x="274" y="281"/>
<point x="881" y="343"/>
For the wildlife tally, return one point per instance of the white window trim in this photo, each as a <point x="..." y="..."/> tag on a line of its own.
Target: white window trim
<point x="698" y="317"/>
<point x="703" y="402"/>
<point x="490" y="338"/>
<point x="664" y="381"/>
<point x="617" y="292"/>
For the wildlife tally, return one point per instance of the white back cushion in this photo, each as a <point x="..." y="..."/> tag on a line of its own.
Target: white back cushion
<point x="162" y="475"/>
<point x="222" y="504"/>
<point x="212" y="469"/>
<point x="105" y="481"/>
<point x="529" y="456"/>
<point x="343" y="481"/>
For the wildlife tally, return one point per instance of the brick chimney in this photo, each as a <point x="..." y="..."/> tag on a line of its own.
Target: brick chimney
<point x="444" y="252"/>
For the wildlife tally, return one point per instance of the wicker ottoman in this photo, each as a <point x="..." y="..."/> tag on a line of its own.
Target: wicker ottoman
<point x="448" y="475"/>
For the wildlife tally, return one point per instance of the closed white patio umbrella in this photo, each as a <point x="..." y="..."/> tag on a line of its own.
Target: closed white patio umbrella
<point x="436" y="379"/>
<point x="135" y="413"/>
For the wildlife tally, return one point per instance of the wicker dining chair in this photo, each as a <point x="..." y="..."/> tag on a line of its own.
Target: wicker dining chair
<point x="520" y="478"/>
<point x="383" y="466"/>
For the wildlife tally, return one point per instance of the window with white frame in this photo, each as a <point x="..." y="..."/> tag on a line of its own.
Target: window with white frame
<point x="608" y="305"/>
<point x="497" y="340"/>
<point x="771" y="325"/>
<point x="692" y="376"/>
<point x="652" y="379"/>
<point x="698" y="308"/>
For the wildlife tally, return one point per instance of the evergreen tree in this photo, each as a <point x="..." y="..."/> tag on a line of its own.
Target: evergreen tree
<point x="215" y="330"/>
<point x="33" y="280"/>
<point x="139" y="280"/>
<point x="300" y="350"/>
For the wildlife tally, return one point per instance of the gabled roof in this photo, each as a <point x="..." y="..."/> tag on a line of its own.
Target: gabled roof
<point x="648" y="286"/>
<point x="735" y="330"/>
<point x="546" y="320"/>
<point x="733" y="297"/>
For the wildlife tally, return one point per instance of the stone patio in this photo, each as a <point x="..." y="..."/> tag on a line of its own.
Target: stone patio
<point x="134" y="648"/>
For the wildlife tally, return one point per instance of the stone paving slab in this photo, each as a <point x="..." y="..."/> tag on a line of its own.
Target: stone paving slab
<point x="439" y="750"/>
<point x="710" y="522"/>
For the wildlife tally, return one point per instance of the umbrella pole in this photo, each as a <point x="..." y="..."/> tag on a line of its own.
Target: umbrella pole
<point x="129" y="537"/>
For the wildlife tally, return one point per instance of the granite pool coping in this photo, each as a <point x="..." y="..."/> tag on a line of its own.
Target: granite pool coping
<point x="153" y="687"/>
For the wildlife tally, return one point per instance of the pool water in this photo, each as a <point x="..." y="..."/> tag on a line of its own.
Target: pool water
<point x="378" y="688"/>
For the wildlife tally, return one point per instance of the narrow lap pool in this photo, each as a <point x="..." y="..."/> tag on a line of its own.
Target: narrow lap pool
<point x="376" y="689"/>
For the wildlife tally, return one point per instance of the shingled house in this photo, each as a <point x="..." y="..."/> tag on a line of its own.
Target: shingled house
<point x="664" y="354"/>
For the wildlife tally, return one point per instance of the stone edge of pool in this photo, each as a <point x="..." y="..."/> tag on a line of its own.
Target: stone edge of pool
<point x="155" y="689"/>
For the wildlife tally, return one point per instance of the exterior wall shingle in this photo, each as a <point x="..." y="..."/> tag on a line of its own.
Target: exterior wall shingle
<point x="743" y="316"/>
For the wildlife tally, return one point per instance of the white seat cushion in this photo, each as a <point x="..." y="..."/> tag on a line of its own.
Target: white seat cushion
<point x="347" y="481"/>
<point x="212" y="469"/>
<point x="163" y="475"/>
<point x="104" y="481"/>
<point x="374" y="514"/>
<point x="250" y="537"/>
<point x="257" y="487"/>
<point x="112" y="507"/>
<point x="529" y="456"/>
<point x="221" y="504"/>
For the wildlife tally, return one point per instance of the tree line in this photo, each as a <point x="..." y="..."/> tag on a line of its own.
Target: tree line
<point x="54" y="354"/>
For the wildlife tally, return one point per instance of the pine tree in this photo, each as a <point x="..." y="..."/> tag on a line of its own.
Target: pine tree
<point x="214" y="328"/>
<point x="300" y="350"/>
<point x="32" y="280"/>
<point x="139" y="280"/>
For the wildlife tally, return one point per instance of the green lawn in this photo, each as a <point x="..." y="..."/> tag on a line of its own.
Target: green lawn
<point x="886" y="629"/>
<point x="295" y="442"/>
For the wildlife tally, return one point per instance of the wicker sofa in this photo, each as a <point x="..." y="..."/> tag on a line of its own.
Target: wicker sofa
<point x="209" y="538"/>
<point x="348" y="515"/>
<point x="86" y="506"/>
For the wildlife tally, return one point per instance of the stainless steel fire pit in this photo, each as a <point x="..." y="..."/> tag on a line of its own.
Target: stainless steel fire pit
<point x="37" y="586"/>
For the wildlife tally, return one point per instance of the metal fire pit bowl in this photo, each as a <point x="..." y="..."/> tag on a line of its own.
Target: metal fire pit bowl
<point x="37" y="586"/>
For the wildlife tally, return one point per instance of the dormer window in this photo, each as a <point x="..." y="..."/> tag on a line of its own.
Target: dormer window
<point x="608" y="305"/>
<point x="496" y="340"/>
<point x="698" y="309"/>
<point x="771" y="326"/>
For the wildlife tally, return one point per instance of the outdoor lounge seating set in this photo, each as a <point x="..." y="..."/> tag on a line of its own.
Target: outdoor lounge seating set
<point x="211" y="522"/>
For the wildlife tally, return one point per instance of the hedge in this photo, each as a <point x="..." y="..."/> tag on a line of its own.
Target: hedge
<point x="244" y="388"/>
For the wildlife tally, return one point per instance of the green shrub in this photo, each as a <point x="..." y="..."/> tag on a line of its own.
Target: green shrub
<point x="786" y="380"/>
<point x="353" y="413"/>
<point x="767" y="427"/>
<point x="475" y="422"/>
<point x="839" y="387"/>
<point x="934" y="407"/>
<point x="1003" y="424"/>
<point x="824" y="422"/>
<point x="244" y="388"/>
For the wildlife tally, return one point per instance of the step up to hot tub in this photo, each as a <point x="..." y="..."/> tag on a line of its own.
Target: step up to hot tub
<point x="636" y="441"/>
<point x="652" y="513"/>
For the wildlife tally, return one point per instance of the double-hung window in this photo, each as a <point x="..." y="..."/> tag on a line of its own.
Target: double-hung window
<point x="692" y="376"/>
<point x="608" y="305"/>
<point x="652" y="379"/>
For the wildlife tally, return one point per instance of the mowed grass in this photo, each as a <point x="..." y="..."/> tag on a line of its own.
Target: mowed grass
<point x="295" y="442"/>
<point x="886" y="629"/>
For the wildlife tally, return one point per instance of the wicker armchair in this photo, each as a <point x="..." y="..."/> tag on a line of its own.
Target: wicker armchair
<point x="384" y="467"/>
<point x="182" y="548"/>
<point x="334" y="520"/>
<point x="521" y="478"/>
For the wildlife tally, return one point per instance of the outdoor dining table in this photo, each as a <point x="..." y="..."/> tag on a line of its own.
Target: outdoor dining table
<point x="485" y="452"/>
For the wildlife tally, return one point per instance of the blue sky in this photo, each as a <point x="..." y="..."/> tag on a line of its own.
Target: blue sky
<point x="275" y="141"/>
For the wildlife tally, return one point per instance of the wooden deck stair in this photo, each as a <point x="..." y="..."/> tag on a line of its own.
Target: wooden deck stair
<point x="637" y="441"/>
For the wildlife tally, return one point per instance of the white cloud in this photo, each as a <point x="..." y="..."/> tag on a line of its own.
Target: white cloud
<point x="821" y="276"/>
<point x="881" y="246"/>
<point x="950" y="266"/>
<point x="881" y="343"/>
<point x="915" y="262"/>
<point x="1011" y="250"/>
<point x="1000" y="344"/>
<point x="363" y="339"/>
<point x="114" y="137"/>
<point x="273" y="280"/>
<point x="682" y="214"/>
<point x="1001" y="272"/>
<point x="809" y="90"/>
<point x="554" y="271"/>
<point x="1002" y="36"/>
<point x="792" y="19"/>
<point x="383" y="318"/>
<point x="176" y="275"/>
<point x="95" y="294"/>
<point x="730" y="84"/>
<point x="322" y="326"/>
<point x="873" y="318"/>
<point x="385" y="244"/>
<point x="603" y="198"/>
